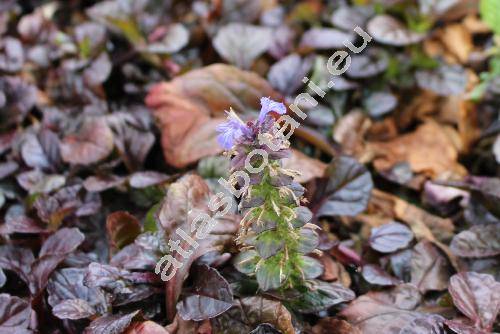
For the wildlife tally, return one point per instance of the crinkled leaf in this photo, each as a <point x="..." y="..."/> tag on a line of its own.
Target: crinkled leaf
<point x="390" y="237"/>
<point x="67" y="284"/>
<point x="478" y="241"/>
<point x="73" y="309"/>
<point x="477" y="296"/>
<point x="107" y="277"/>
<point x="15" y="314"/>
<point x="16" y="221"/>
<point x="17" y="259"/>
<point x="110" y="324"/>
<point x="347" y="190"/>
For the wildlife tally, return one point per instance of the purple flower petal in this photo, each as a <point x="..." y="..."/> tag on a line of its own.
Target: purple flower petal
<point x="230" y="132"/>
<point x="268" y="105"/>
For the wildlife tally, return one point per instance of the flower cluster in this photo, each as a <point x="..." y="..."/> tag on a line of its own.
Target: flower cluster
<point x="275" y="232"/>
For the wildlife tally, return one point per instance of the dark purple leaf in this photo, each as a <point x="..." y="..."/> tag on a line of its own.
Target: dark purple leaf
<point x="12" y="57"/>
<point x="240" y="44"/>
<point x="146" y="179"/>
<point x="15" y="314"/>
<point x="477" y="296"/>
<point x="133" y="143"/>
<point x="42" y="150"/>
<point x="445" y="80"/>
<point x="387" y="30"/>
<point x="73" y="309"/>
<point x="63" y="242"/>
<point x="67" y="284"/>
<point x="212" y="296"/>
<point x="107" y="277"/>
<point x="325" y="38"/>
<point x="347" y="190"/>
<point x="98" y="71"/>
<point x="380" y="103"/>
<point x="390" y="237"/>
<point x="286" y="75"/>
<point x="375" y="275"/>
<point x="16" y="221"/>
<point x="93" y="143"/>
<point x="426" y="324"/>
<point x="282" y="41"/>
<point x="134" y="256"/>
<point x="110" y="324"/>
<point x="348" y="18"/>
<point x="17" y="259"/>
<point x="102" y="183"/>
<point x="265" y="329"/>
<point x="390" y="312"/>
<point x="429" y="268"/>
<point x="478" y="241"/>
<point x="7" y="168"/>
<point x="18" y="98"/>
<point x="368" y="64"/>
<point x="461" y="328"/>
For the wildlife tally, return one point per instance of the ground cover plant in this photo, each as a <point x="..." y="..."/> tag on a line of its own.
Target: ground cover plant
<point x="127" y="129"/>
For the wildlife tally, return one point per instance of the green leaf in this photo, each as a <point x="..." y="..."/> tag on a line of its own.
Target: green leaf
<point x="246" y="262"/>
<point x="150" y="220"/>
<point x="490" y="14"/>
<point x="271" y="273"/>
<point x="311" y="268"/>
<point x="308" y="241"/>
<point x="269" y="243"/>
<point x="321" y="296"/>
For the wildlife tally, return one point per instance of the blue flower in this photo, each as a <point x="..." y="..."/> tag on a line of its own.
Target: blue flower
<point x="231" y="131"/>
<point x="268" y="105"/>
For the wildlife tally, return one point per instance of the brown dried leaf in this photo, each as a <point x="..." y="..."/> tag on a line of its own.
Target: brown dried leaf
<point x="428" y="150"/>
<point x="190" y="106"/>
